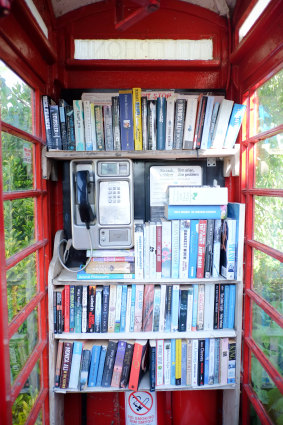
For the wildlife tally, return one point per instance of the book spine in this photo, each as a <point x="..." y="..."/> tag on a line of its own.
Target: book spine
<point x="212" y="123"/>
<point x="206" y="124"/>
<point x="152" y="250"/>
<point x="197" y="195"/>
<point x="226" y="306"/>
<point x="116" y="124"/>
<point x="126" y="365"/>
<point x="137" y="115"/>
<point x="175" y="224"/>
<point x="133" y="306"/>
<point x="78" y="309"/>
<point x="109" y="364"/>
<point x="67" y="309"/>
<point x="152" y="365"/>
<point x="128" y="308"/>
<point x="93" y="370"/>
<point x="123" y="308"/>
<point x="70" y="128"/>
<point x="101" y="276"/>
<point x="184" y="363"/>
<point x="156" y="308"/>
<point x="201" y="248"/>
<point x="118" y="308"/>
<point x="144" y="123"/>
<point x="173" y="361"/>
<point x="221" y="306"/>
<point x="216" y="306"/>
<point x="182" y="326"/>
<point x="175" y="308"/>
<point x="189" y="362"/>
<point x="138" y="308"/>
<point x="178" y="370"/>
<point x="66" y="365"/>
<point x="158" y="250"/>
<point x="190" y="123"/>
<point x="228" y="249"/>
<point x="166" y="249"/>
<point x="112" y="308"/>
<point x="72" y="308"/>
<point x="185" y="229"/>
<point x="231" y="372"/>
<point x="167" y="362"/>
<point x="170" y="113"/>
<point x="84" y="309"/>
<point x="190" y="308"/>
<point x="162" y="308"/>
<point x="87" y="125"/>
<point x="168" y="308"/>
<point x="63" y="126"/>
<point x="232" y="306"/>
<point x="194" y="228"/>
<point x="211" y="361"/>
<point x="223" y="361"/>
<point x="79" y="125"/>
<point x="46" y="114"/>
<point x="216" y="360"/>
<point x="98" y="308"/>
<point x="105" y="308"/>
<point x="85" y="364"/>
<point x="101" y="365"/>
<point x="216" y="248"/>
<point x="98" y="114"/>
<point x="92" y="127"/>
<point x="221" y="124"/>
<point x="208" y="259"/>
<point x="146" y="251"/>
<point x="180" y="111"/>
<point x="148" y="308"/>
<point x="58" y="363"/>
<point x="195" y="307"/>
<point x="118" y="365"/>
<point x="195" y="353"/>
<point x="187" y="212"/>
<point x="208" y="306"/>
<point x="234" y="125"/>
<point x="201" y="348"/>
<point x="200" y="308"/>
<point x="55" y="127"/>
<point x="151" y="125"/>
<point x="91" y="308"/>
<point x="108" y="131"/>
<point x="59" y="312"/>
<point x="159" y="362"/>
<point x="126" y="120"/>
<point x="139" y="250"/>
<point x="199" y="129"/>
<point x="75" y="365"/>
<point x="160" y="123"/>
<point x="206" y="360"/>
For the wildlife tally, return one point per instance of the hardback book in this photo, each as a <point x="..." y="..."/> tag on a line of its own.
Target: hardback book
<point x="98" y="309"/>
<point x="206" y="360"/>
<point x="105" y="308"/>
<point x="197" y="195"/>
<point x="190" y="122"/>
<point x="200" y="123"/>
<point x="58" y="363"/>
<point x="156" y="308"/>
<point x="216" y="360"/>
<point x="126" y="120"/>
<point x="108" y="129"/>
<point x="127" y="362"/>
<point x="78" y="308"/>
<point x="148" y="301"/>
<point x="216" y="306"/>
<point x="55" y="127"/>
<point x="168" y="308"/>
<point x="128" y="308"/>
<point x="93" y="127"/>
<point x="118" y="308"/>
<point x="207" y="121"/>
<point x="212" y="122"/>
<point x="133" y="305"/>
<point x="137" y="118"/>
<point x="72" y="308"/>
<point x="118" y="365"/>
<point x="175" y="243"/>
<point x="195" y="362"/>
<point x="160" y="123"/>
<point x="175" y="308"/>
<point x="195" y="307"/>
<point x="216" y="248"/>
<point x="162" y="308"/>
<point x="237" y="212"/>
<point x="123" y="308"/>
<point x="112" y="308"/>
<point x="63" y="124"/>
<point x="75" y="365"/>
<point x="116" y="123"/>
<point x="208" y="256"/>
<point x="84" y="309"/>
<point x="93" y="369"/>
<point x="158" y="249"/>
<point x="79" y="125"/>
<point x="185" y="229"/>
<point x="66" y="364"/>
<point x="152" y="250"/>
<point x="166" y="249"/>
<point x="70" y="127"/>
<point x="91" y="308"/>
<point x="167" y="362"/>
<point x="67" y="308"/>
<point x="200" y="308"/>
<point x="201" y="248"/>
<point x="101" y="365"/>
<point x="234" y="125"/>
<point x="187" y="212"/>
<point x="189" y="362"/>
<point x="173" y="361"/>
<point x="46" y="102"/>
<point x="87" y="125"/>
<point x="178" y="367"/>
<point x="211" y="361"/>
<point x="138" y="308"/>
<point x="144" y="123"/>
<point x="151" y="124"/>
<point x="201" y="356"/>
<point x="221" y="124"/>
<point x="109" y="363"/>
<point x="231" y="373"/>
<point x="208" y="306"/>
<point x="180" y="111"/>
<point x="223" y="360"/>
<point x="152" y="364"/>
<point x="170" y="117"/>
<point x="184" y="363"/>
<point x="232" y="307"/>
<point x="221" y="306"/>
<point x="183" y="310"/>
<point x="159" y="362"/>
<point x="98" y="114"/>
<point x="110" y="267"/>
<point x="193" y="248"/>
<point x="190" y="307"/>
<point x="226" y="306"/>
<point x="139" y="249"/>
<point x="139" y="363"/>
<point x="228" y="248"/>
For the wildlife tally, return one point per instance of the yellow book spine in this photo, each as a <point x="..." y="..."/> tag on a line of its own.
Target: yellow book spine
<point x="178" y="369"/>
<point x="137" y="118"/>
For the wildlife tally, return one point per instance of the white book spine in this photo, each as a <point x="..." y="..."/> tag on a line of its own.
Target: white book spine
<point x="118" y="305"/>
<point x="167" y="362"/>
<point x="138" y="308"/>
<point x="139" y="251"/>
<point x="175" y="249"/>
<point x="93" y="129"/>
<point x="184" y="248"/>
<point x="208" y="306"/>
<point x="159" y="361"/>
<point x="162" y="308"/>
<point x="190" y="122"/>
<point x="156" y="308"/>
<point x="195" y="363"/>
<point x="79" y="125"/>
<point x="211" y="361"/>
<point x="189" y="362"/>
<point x="223" y="361"/>
<point x="170" y="123"/>
<point x="128" y="309"/>
<point x="166" y="249"/>
<point x="221" y="124"/>
<point x="84" y="309"/>
<point x="87" y="124"/>
<point x="190" y="308"/>
<point x="201" y="306"/>
<point x="175" y="308"/>
<point x="146" y="252"/>
<point x="152" y="250"/>
<point x="112" y="308"/>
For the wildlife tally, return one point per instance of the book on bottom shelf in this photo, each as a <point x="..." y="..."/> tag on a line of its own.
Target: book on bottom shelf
<point x="139" y="363"/>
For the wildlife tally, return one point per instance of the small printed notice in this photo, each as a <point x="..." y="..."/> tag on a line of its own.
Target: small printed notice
<point x="27" y="154"/>
<point x="172" y="175"/>
<point x="140" y="408"/>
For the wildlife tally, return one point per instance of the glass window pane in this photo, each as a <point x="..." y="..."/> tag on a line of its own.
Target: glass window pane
<point x="39" y="419"/>
<point x="268" y="278"/>
<point x="16" y="100"/>
<point x="267" y="392"/>
<point x="269" y="163"/>
<point x="268" y="223"/>
<point x="267" y="105"/>
<point x="27" y="397"/>
<point x="254" y="419"/>
<point x="21" y="284"/>
<point x="17" y="163"/>
<point x="19" y="224"/>
<point x="22" y="344"/>
<point x="269" y="337"/>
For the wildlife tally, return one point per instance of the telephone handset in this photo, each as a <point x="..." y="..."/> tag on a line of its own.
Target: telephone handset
<point x="83" y="187"/>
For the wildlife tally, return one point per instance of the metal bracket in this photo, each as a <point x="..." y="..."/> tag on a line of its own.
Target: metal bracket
<point x="211" y="162"/>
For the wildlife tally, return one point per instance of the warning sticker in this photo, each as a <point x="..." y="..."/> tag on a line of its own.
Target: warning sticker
<point x="140" y="408"/>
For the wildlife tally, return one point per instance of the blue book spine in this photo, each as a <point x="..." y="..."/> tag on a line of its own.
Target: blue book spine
<point x="226" y="305"/>
<point x="123" y="308"/>
<point x="184" y="363"/>
<point x="75" y="367"/>
<point x="98" y="310"/>
<point x="195" y="308"/>
<point x="95" y="355"/>
<point x="234" y="125"/>
<point x="193" y="249"/>
<point x="175" y="308"/>
<point x="72" y="308"/>
<point x="132" y="311"/>
<point x="232" y="304"/>
<point x="173" y="361"/>
<point x="206" y="360"/>
<point x="126" y="120"/>
<point x="175" y="249"/>
<point x="216" y="361"/>
<point x="101" y="366"/>
<point x="161" y="122"/>
<point x="78" y="309"/>
<point x="100" y="276"/>
<point x="166" y="249"/>
<point x="189" y="212"/>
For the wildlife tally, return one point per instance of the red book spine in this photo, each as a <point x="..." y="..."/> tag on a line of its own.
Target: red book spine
<point x="201" y="248"/>
<point x="158" y="248"/>
<point x="135" y="369"/>
<point x="67" y="309"/>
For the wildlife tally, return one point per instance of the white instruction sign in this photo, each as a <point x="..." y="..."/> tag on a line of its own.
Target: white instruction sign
<point x="140" y="408"/>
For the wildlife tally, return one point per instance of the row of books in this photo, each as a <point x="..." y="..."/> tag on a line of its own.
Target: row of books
<point x="121" y="364"/>
<point x="142" y="120"/>
<point x="144" y="308"/>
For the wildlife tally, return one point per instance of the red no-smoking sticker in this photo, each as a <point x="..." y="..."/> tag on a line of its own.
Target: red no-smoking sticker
<point x="140" y="408"/>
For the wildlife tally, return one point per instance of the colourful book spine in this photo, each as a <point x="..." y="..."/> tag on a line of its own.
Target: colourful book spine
<point x="100" y="276"/>
<point x="118" y="308"/>
<point x="173" y="361"/>
<point x="126" y="365"/>
<point x="148" y="308"/>
<point x="152" y="364"/>
<point x="160" y="123"/>
<point x="201" y="248"/>
<point x="70" y="128"/>
<point x="187" y="212"/>
<point x="67" y="309"/>
<point x="91" y="307"/>
<point x="208" y="306"/>
<point x="228" y="248"/>
<point x="232" y="305"/>
<point x="190" y="308"/>
<point x="93" y="370"/>
<point x="118" y="365"/>
<point x="98" y="310"/>
<point x="206" y="360"/>
<point x="175" y="308"/>
<point x="126" y="120"/>
<point x="84" y="309"/>
<point x="221" y="306"/>
<point x="162" y="308"/>
<point x="180" y="110"/>
<point x="193" y="248"/>
<point x="216" y="248"/>
<point x="123" y="308"/>
<point x="231" y="373"/>
<point x="58" y="363"/>
<point x="208" y="258"/>
<point x="46" y="113"/>
<point x="109" y="363"/>
<point x="105" y="308"/>
<point x="152" y="250"/>
<point x="170" y="111"/>
<point x="72" y="308"/>
<point x="101" y="365"/>
<point x="55" y="127"/>
<point x="216" y="306"/>
<point x="234" y="125"/>
<point x="207" y="121"/>
<point x="178" y="370"/>
<point x="226" y="306"/>
<point x="75" y="366"/>
<point x="78" y="309"/>
<point x="201" y="347"/>
<point x="144" y="123"/>
<point x="63" y="126"/>
<point x="79" y="125"/>
<point x="66" y="364"/>
<point x="166" y="249"/>
<point x="216" y="360"/>
<point x="175" y="224"/>
<point x="137" y="118"/>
